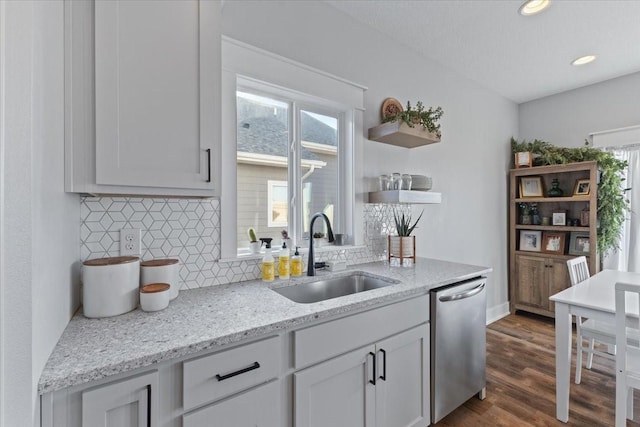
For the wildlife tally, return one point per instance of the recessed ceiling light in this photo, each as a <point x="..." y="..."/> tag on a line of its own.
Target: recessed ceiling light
<point x="583" y="60"/>
<point x="531" y="7"/>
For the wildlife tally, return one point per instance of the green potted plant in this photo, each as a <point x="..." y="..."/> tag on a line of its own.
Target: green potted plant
<point x="403" y="246"/>
<point x="427" y="118"/>
<point x="254" y="245"/>
<point x="318" y="239"/>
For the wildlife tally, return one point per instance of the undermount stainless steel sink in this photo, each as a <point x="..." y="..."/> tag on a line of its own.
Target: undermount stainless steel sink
<point x="324" y="289"/>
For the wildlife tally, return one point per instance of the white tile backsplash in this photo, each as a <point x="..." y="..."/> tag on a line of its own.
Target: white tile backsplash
<point x="189" y="229"/>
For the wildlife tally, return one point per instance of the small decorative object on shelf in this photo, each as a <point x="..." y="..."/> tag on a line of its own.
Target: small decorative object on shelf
<point x="559" y="218"/>
<point x="403" y="246"/>
<point x="582" y="188"/>
<point x="254" y="245"/>
<point x="428" y="119"/>
<point x="525" y="214"/>
<point x="530" y="240"/>
<point x="524" y="159"/>
<point x="531" y="186"/>
<point x="584" y="217"/>
<point x="555" y="190"/>
<point x="553" y="243"/>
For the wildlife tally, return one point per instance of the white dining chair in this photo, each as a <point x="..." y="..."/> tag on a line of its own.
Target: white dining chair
<point x="628" y="351"/>
<point x="588" y="329"/>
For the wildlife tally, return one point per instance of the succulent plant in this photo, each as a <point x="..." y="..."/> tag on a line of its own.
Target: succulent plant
<point x="252" y="235"/>
<point x="403" y="224"/>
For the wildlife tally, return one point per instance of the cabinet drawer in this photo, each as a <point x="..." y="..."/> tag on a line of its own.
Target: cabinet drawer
<point x="321" y="342"/>
<point x="218" y="375"/>
<point x="257" y="407"/>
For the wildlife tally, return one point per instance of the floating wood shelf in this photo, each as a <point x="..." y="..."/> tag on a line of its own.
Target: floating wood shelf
<point x="400" y="134"/>
<point x="404" y="196"/>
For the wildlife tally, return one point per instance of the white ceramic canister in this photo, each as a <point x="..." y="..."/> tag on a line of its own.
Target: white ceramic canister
<point x="161" y="271"/>
<point x="110" y="285"/>
<point x="154" y="296"/>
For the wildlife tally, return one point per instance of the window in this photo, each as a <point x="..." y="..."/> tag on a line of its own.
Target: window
<point x="289" y="154"/>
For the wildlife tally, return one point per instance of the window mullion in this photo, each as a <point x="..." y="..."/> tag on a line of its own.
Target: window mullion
<point x="294" y="174"/>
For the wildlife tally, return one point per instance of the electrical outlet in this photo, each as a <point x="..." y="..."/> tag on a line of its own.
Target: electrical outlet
<point x="129" y="241"/>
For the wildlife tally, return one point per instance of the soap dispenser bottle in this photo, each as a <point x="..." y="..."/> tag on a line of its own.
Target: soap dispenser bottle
<point x="283" y="262"/>
<point x="296" y="264"/>
<point x="268" y="263"/>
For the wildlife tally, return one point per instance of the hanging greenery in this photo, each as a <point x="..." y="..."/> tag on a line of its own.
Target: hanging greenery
<point x="612" y="203"/>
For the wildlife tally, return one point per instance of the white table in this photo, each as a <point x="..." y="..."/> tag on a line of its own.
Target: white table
<point x="595" y="299"/>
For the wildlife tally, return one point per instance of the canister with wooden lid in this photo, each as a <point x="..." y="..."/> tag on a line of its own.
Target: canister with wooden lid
<point x="154" y="296"/>
<point x="161" y="271"/>
<point x="110" y="285"/>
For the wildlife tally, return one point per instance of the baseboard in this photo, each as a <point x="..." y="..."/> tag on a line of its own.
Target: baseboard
<point x="497" y="312"/>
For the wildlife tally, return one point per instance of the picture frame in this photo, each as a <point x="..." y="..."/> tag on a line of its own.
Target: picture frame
<point x="530" y="240"/>
<point x="531" y="186"/>
<point x="582" y="187"/>
<point x="559" y="218"/>
<point x="553" y="243"/>
<point x="579" y="243"/>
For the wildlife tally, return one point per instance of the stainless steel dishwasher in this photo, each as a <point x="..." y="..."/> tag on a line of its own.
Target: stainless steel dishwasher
<point x="458" y="345"/>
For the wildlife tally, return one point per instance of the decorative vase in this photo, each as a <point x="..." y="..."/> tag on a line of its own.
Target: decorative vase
<point x="525" y="219"/>
<point x="402" y="248"/>
<point x="555" y="190"/>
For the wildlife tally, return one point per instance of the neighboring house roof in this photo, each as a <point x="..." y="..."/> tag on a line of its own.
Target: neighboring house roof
<point x="267" y="135"/>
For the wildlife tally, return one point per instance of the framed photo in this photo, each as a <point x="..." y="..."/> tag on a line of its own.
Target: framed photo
<point x="530" y="240"/>
<point x="531" y="186"/>
<point x="553" y="243"/>
<point x="559" y="218"/>
<point x="579" y="243"/>
<point x="582" y="188"/>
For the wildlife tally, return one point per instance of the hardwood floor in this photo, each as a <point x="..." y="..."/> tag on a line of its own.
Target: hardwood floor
<point x="521" y="381"/>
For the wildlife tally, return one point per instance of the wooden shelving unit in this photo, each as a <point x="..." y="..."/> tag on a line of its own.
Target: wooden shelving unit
<point x="535" y="276"/>
<point x="400" y="134"/>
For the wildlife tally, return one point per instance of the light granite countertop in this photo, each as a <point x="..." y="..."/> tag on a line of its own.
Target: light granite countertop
<point x="206" y="318"/>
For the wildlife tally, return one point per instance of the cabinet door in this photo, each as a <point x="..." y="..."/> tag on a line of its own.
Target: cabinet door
<point x="157" y="83"/>
<point x="402" y="389"/>
<point x="532" y="287"/>
<point x="337" y="393"/>
<point x="127" y="403"/>
<point x="259" y="407"/>
<point x="558" y="278"/>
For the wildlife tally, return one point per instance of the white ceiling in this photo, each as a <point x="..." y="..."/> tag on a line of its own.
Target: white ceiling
<point x="521" y="58"/>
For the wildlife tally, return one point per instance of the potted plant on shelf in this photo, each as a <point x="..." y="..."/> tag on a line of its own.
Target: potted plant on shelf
<point x="254" y="245"/>
<point x="428" y="119"/>
<point x="403" y="246"/>
<point x="318" y="239"/>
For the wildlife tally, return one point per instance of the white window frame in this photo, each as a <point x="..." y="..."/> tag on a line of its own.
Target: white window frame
<point x="270" y="222"/>
<point x="245" y="64"/>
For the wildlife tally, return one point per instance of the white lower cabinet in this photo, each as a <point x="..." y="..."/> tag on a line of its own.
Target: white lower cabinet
<point x="383" y="385"/>
<point x="366" y="369"/>
<point x="128" y="403"/>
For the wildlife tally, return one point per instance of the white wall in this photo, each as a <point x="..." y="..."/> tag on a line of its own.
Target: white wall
<point x="566" y="119"/>
<point x="469" y="166"/>
<point x="39" y="224"/>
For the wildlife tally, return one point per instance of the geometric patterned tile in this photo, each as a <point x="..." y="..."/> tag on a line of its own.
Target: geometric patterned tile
<point x="189" y="229"/>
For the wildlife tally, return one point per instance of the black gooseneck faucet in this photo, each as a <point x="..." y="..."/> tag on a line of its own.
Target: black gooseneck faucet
<point x="311" y="265"/>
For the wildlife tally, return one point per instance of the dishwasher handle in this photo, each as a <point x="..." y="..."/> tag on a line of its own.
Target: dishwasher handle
<point x="466" y="294"/>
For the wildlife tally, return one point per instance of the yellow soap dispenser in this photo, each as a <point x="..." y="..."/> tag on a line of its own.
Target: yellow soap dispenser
<point x="268" y="263"/>
<point x="283" y="262"/>
<point x="296" y="264"/>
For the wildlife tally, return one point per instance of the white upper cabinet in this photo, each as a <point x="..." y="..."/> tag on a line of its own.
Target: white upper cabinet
<point x="143" y="97"/>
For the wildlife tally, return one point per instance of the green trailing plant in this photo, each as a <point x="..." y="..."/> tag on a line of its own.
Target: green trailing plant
<point x="252" y="235"/>
<point x="612" y="203"/>
<point x="403" y="223"/>
<point x="428" y="119"/>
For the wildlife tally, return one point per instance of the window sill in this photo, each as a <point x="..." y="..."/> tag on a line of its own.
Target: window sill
<point x="302" y="251"/>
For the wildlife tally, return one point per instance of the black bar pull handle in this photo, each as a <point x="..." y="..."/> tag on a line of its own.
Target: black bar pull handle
<point x="383" y="377"/>
<point x="208" y="164"/>
<point x="373" y="381"/>
<point x="255" y="365"/>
